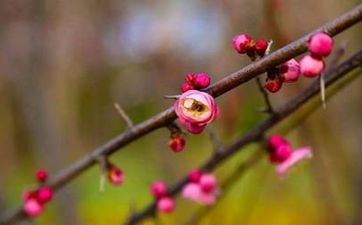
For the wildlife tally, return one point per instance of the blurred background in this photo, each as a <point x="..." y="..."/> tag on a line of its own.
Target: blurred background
<point x="63" y="64"/>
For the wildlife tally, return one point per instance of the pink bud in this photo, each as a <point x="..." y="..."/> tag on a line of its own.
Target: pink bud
<point x="177" y="142"/>
<point x="186" y="87"/>
<point x="208" y="183"/>
<point x="277" y="140"/>
<point x="290" y="71"/>
<point x="310" y="66"/>
<point x="320" y="44"/>
<point x="280" y="154"/>
<point x="273" y="85"/>
<point x="44" y="194"/>
<point x="296" y="156"/>
<point x="202" y="81"/>
<point x="115" y="175"/>
<point x="195" y="175"/>
<point x="190" y="78"/>
<point x="166" y="204"/>
<point x="32" y="207"/>
<point x="29" y="194"/>
<point x="260" y="46"/>
<point x="158" y="189"/>
<point x="241" y="42"/>
<point x="41" y="175"/>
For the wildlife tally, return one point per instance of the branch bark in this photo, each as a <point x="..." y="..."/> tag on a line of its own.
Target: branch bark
<point x="162" y="119"/>
<point x="255" y="134"/>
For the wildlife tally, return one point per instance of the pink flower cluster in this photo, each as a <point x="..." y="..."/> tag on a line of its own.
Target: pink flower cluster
<point x="282" y="154"/>
<point x="320" y="45"/>
<point x="35" y="199"/>
<point x="201" y="188"/>
<point x="164" y="202"/>
<point x="115" y="175"/>
<point x="243" y="43"/>
<point x="195" y="82"/>
<point x="196" y="109"/>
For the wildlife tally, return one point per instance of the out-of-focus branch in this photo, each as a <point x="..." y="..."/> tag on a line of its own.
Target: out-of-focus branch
<point x="162" y="119"/>
<point x="256" y="134"/>
<point x="268" y="106"/>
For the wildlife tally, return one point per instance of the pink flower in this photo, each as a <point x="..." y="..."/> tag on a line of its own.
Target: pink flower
<point x="241" y="42"/>
<point x="202" y="80"/>
<point x="166" y="204"/>
<point x="290" y="71"/>
<point x="195" y="193"/>
<point x="32" y="207"/>
<point x="41" y="175"/>
<point x="44" y="194"/>
<point x="158" y="189"/>
<point x="115" y="175"/>
<point x="195" y="109"/>
<point x="208" y="182"/>
<point x="320" y="44"/>
<point x="296" y="156"/>
<point x="260" y="46"/>
<point x="310" y="66"/>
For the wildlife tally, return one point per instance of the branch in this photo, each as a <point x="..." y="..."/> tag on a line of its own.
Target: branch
<point x="255" y="134"/>
<point x="162" y="119"/>
<point x="269" y="107"/>
<point x="124" y="116"/>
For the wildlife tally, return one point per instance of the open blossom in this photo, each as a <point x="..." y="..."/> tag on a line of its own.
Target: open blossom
<point x="203" y="192"/>
<point x="195" y="109"/>
<point x="282" y="154"/>
<point x="290" y="71"/>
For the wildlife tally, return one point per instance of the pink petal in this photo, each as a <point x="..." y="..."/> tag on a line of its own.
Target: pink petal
<point x="297" y="155"/>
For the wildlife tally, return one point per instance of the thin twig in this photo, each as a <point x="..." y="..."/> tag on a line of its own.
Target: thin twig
<point x="171" y="96"/>
<point x="160" y="120"/>
<point x="215" y="139"/>
<point x="103" y="169"/>
<point x="257" y="133"/>
<point x="124" y="115"/>
<point x="269" y="107"/>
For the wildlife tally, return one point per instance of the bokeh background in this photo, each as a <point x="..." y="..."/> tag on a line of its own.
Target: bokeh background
<point x="64" y="63"/>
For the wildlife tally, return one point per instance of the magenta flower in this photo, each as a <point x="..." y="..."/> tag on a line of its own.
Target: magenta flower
<point x="204" y="192"/>
<point x="195" y="109"/>
<point x="282" y="154"/>
<point x="290" y="71"/>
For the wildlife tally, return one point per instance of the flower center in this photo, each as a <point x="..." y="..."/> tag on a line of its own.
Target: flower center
<point x="195" y="107"/>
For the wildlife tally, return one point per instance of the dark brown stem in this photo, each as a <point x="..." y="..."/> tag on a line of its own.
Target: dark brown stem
<point x="257" y="133"/>
<point x="269" y="107"/>
<point x="162" y="119"/>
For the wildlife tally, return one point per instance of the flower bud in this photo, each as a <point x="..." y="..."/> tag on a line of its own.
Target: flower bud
<point x="276" y="140"/>
<point x="32" y="207"/>
<point x="166" y="204"/>
<point x="260" y="46"/>
<point x="195" y="175"/>
<point x="290" y="71"/>
<point x="202" y="80"/>
<point x="310" y="66"/>
<point x="280" y="154"/>
<point x="158" y="189"/>
<point x="320" y="44"/>
<point x="241" y="42"/>
<point x="177" y="142"/>
<point x="115" y="175"/>
<point x="41" y="175"/>
<point x="208" y="183"/>
<point x="190" y="78"/>
<point x="186" y="87"/>
<point x="273" y="85"/>
<point x="44" y="194"/>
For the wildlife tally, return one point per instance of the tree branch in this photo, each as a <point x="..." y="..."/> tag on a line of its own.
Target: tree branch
<point x="269" y="107"/>
<point x="255" y="134"/>
<point x="162" y="119"/>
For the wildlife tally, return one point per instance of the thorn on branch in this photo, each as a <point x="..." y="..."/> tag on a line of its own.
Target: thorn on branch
<point x="103" y="163"/>
<point x="215" y="139"/>
<point x="124" y="115"/>
<point x="269" y="107"/>
<point x="171" y="96"/>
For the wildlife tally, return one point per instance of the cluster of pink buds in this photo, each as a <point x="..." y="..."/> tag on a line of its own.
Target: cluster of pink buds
<point x="196" y="109"/>
<point x="320" y="45"/>
<point x="244" y="44"/>
<point x="164" y="202"/>
<point x="115" y="175"/>
<point x="195" y="82"/>
<point x="35" y="199"/>
<point x="282" y="154"/>
<point x="201" y="188"/>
